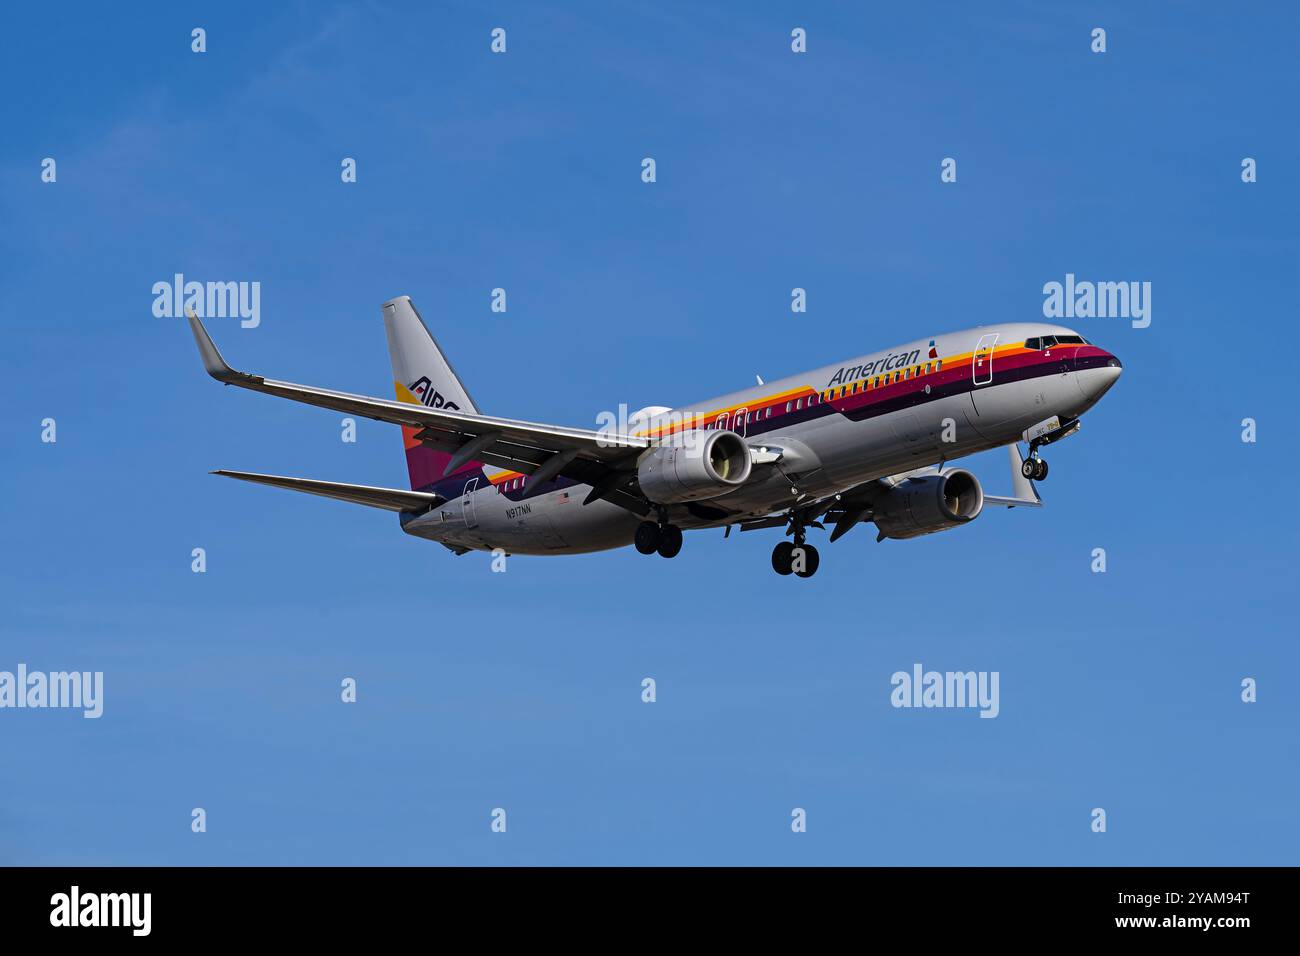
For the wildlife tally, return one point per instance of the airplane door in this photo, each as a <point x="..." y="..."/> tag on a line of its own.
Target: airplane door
<point x="982" y="360"/>
<point x="467" y="504"/>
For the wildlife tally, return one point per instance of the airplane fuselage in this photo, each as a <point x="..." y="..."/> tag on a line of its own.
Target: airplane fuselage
<point x="922" y="403"/>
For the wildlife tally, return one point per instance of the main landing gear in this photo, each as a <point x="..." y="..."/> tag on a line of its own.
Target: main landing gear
<point x="653" y="536"/>
<point x="795" y="557"/>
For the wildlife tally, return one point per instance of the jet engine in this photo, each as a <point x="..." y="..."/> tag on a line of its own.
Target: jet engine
<point x="695" y="464"/>
<point x="928" y="504"/>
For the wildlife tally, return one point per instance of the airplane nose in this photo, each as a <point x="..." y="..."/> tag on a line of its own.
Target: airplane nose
<point x="1095" y="382"/>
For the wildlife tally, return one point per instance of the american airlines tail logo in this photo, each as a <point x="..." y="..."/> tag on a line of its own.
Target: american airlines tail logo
<point x="430" y="396"/>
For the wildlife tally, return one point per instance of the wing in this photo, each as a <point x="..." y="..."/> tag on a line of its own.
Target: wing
<point x="390" y="499"/>
<point x="848" y="509"/>
<point x="604" y="460"/>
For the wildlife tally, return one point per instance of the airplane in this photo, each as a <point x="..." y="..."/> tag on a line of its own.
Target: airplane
<point x="870" y="439"/>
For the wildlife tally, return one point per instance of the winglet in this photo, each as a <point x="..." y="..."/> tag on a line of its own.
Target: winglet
<point x="1023" y="490"/>
<point x="1022" y="486"/>
<point x="212" y="360"/>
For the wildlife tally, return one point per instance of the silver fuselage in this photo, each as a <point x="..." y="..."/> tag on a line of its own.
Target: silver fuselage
<point x="978" y="389"/>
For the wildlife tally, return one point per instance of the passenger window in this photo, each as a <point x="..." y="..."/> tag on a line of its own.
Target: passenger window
<point x="788" y="406"/>
<point x="769" y="412"/>
<point x="938" y="365"/>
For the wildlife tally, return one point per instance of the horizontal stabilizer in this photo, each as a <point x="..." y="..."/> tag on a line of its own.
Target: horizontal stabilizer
<point x="390" y="499"/>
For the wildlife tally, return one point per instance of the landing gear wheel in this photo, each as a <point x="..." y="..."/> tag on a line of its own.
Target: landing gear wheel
<point x="1034" y="468"/>
<point x="670" y="540"/>
<point x="647" y="537"/>
<point x="811" y="560"/>
<point x="783" y="557"/>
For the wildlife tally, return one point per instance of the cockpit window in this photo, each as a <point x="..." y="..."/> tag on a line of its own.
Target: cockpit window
<point x="1070" y="340"/>
<point x="1034" y="343"/>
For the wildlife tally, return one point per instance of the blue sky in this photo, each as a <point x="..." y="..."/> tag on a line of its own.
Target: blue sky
<point x="522" y="690"/>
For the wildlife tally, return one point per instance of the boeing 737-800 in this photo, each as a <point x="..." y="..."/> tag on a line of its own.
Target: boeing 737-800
<point x="869" y="439"/>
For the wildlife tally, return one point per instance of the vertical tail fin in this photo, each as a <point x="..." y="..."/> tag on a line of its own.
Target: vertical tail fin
<point x="422" y="375"/>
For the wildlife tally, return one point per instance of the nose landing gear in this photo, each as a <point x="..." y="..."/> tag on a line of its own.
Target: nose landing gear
<point x="1033" y="467"/>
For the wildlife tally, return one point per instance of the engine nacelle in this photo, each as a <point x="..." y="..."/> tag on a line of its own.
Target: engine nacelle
<point x="695" y="464"/>
<point x="920" y="506"/>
